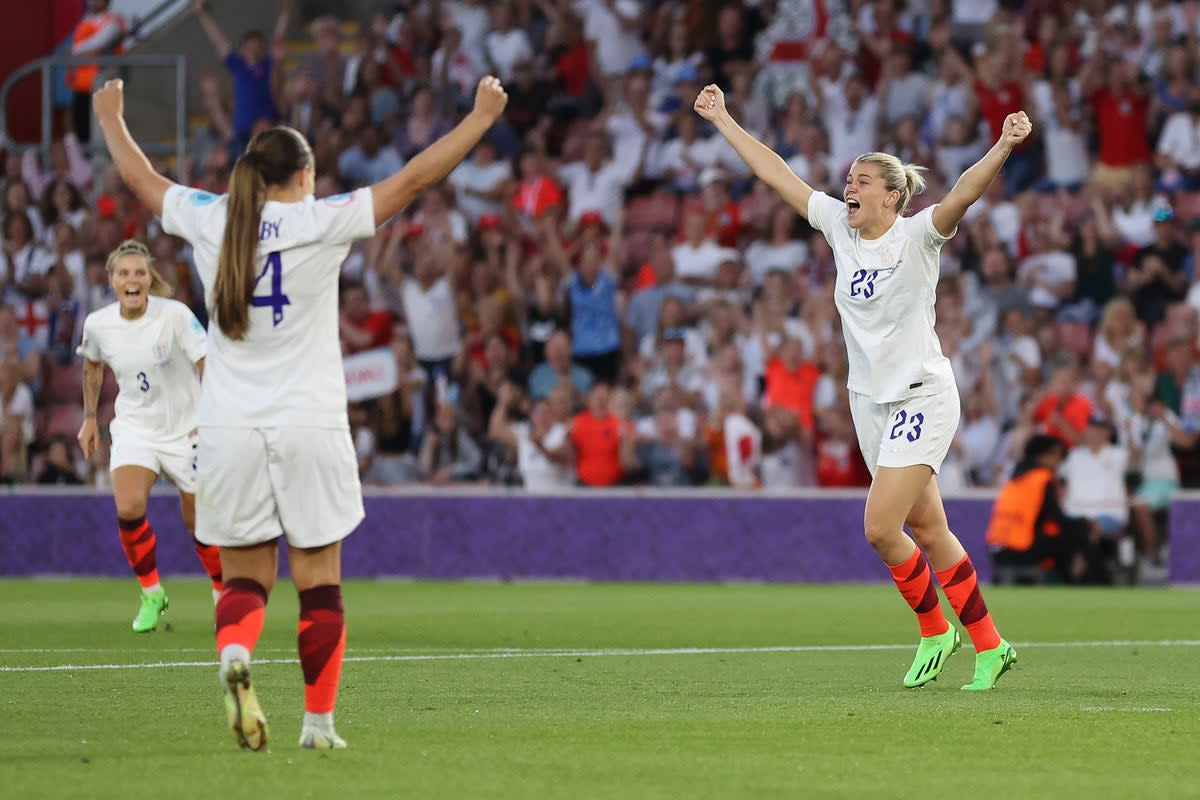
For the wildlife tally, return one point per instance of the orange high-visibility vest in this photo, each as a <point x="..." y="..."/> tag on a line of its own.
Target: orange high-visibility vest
<point x="1014" y="517"/>
<point x="81" y="79"/>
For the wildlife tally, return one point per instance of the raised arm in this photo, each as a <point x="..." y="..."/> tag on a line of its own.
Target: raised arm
<point x="137" y="172"/>
<point x="211" y="29"/>
<point x="762" y="160"/>
<point x="975" y="181"/>
<point x="436" y="161"/>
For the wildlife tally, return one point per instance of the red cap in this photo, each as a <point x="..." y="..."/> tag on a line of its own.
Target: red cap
<point x="488" y="222"/>
<point x="591" y="218"/>
<point x="106" y="206"/>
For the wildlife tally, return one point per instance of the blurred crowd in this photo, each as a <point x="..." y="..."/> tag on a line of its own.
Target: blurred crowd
<point x="601" y="294"/>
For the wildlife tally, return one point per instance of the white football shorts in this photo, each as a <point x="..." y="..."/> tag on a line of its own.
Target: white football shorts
<point x="175" y="459"/>
<point x="907" y="433"/>
<point x="254" y="485"/>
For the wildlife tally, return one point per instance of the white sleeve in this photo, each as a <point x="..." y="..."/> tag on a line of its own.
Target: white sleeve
<point x="89" y="348"/>
<point x="190" y="333"/>
<point x="22" y="401"/>
<point x="824" y="211"/>
<point x="346" y="218"/>
<point x="930" y="237"/>
<point x="187" y="213"/>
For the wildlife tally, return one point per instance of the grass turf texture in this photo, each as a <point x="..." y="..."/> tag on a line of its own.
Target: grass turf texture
<point x="1105" y="721"/>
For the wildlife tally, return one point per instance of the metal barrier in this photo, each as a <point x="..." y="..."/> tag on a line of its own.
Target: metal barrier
<point x="45" y="65"/>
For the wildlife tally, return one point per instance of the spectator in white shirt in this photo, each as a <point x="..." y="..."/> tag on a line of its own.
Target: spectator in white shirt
<point x="681" y="159"/>
<point x="851" y="117"/>
<point x="16" y="422"/>
<point x="779" y="249"/>
<point x="612" y="27"/>
<point x="1049" y="273"/>
<point x="543" y="461"/>
<point x="480" y="182"/>
<point x="1095" y="475"/>
<point x="432" y="313"/>
<point x="23" y="262"/>
<point x="1179" y="147"/>
<point x="697" y="257"/>
<point x="598" y="181"/>
<point x="506" y="45"/>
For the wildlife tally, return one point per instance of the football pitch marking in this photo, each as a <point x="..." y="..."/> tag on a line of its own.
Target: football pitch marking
<point x="431" y="654"/>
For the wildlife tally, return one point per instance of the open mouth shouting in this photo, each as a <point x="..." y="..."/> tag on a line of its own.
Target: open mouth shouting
<point x="852" y="206"/>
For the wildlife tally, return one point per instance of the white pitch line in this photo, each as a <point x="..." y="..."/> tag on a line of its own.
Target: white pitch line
<point x="548" y="653"/>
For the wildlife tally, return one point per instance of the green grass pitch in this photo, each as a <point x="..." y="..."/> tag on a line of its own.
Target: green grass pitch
<point x="579" y="691"/>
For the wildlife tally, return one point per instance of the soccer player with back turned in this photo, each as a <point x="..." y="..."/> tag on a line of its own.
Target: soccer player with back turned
<point x="275" y="456"/>
<point x="903" y="398"/>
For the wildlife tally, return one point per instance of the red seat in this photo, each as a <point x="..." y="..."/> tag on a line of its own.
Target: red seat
<point x="64" y="420"/>
<point x="64" y="384"/>
<point x="1187" y="206"/>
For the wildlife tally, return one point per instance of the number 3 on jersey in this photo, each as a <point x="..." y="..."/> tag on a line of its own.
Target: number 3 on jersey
<point x="276" y="300"/>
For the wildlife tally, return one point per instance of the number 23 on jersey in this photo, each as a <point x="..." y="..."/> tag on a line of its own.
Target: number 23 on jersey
<point x="276" y="300"/>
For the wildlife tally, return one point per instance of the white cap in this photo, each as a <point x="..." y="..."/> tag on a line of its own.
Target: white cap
<point x="711" y="175"/>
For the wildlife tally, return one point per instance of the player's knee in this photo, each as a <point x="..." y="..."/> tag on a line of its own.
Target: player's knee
<point x="928" y="533"/>
<point x="131" y="507"/>
<point x="879" y="530"/>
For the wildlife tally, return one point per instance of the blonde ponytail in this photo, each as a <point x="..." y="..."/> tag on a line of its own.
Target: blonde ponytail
<point x="907" y="179"/>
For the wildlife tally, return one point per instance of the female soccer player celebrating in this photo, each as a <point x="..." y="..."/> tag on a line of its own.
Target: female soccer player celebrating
<point x="155" y="347"/>
<point x="903" y="399"/>
<point x="275" y="456"/>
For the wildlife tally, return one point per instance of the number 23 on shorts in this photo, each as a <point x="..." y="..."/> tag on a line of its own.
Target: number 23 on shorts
<point x="907" y="426"/>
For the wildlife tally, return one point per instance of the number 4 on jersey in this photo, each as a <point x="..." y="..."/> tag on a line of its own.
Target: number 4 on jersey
<point x="276" y="300"/>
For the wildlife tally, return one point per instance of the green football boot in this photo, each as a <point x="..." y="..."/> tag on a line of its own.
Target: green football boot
<point x="154" y="605"/>
<point x="932" y="654"/>
<point x="990" y="665"/>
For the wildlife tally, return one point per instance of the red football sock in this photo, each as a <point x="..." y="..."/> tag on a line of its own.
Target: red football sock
<point x="240" y="613"/>
<point x="914" y="579"/>
<point x="962" y="590"/>
<point x="321" y="636"/>
<point x="210" y="558"/>
<point x="140" y="546"/>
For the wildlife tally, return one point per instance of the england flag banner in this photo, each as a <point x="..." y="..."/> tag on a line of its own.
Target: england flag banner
<point x="370" y="374"/>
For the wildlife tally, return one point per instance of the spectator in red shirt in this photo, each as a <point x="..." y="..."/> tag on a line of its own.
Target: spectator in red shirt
<point x="361" y="328"/>
<point x="603" y="442"/>
<point x="1122" y="111"/>
<point x="791" y="381"/>
<point x="1000" y="94"/>
<point x="839" y="460"/>
<point x="1063" y="412"/>
<point x="722" y="216"/>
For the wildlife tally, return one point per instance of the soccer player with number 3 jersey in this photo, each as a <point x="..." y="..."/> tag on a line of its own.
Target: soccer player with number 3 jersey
<point x="155" y="347"/>
<point x="275" y="456"/>
<point x="903" y="398"/>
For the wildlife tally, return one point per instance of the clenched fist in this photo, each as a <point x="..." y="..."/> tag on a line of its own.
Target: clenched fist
<point x="490" y="98"/>
<point x="109" y="101"/>
<point x="1017" y="128"/>
<point x="710" y="103"/>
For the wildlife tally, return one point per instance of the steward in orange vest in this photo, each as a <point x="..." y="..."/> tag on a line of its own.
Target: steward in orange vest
<point x="1028" y="525"/>
<point x="101" y="33"/>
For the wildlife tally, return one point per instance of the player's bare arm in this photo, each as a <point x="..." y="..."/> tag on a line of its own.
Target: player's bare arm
<point x="93" y="380"/>
<point x="136" y="170"/>
<point x="436" y="161"/>
<point x="975" y="181"/>
<point x="766" y="164"/>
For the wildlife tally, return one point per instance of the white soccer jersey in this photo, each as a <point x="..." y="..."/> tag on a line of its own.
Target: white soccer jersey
<point x="154" y="358"/>
<point x="287" y="370"/>
<point x="885" y="294"/>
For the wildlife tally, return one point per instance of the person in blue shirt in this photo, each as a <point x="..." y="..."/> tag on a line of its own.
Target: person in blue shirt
<point x="557" y="368"/>
<point x="252" y="69"/>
